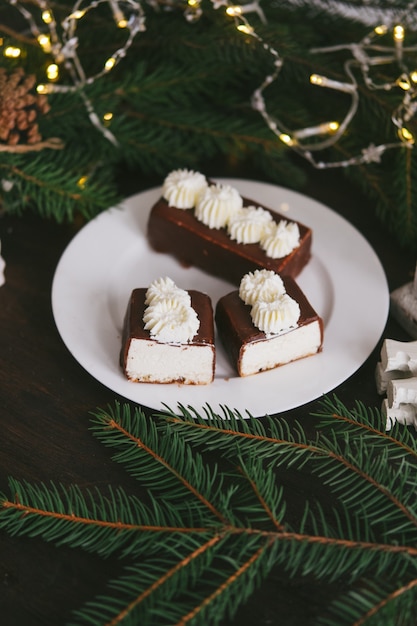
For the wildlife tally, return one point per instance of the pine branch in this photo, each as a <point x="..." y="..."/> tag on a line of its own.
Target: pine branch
<point x="195" y="559"/>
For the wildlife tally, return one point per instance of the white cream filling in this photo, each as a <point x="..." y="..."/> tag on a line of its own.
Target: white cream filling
<point x="153" y="362"/>
<point x="259" y="356"/>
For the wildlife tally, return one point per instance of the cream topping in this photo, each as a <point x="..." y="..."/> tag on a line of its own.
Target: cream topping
<point x="216" y="204"/>
<point x="182" y="187"/>
<point x="280" y="239"/>
<point x="276" y="316"/>
<point x="170" y="321"/>
<point x="169" y="316"/>
<point x="248" y="225"/>
<point x="165" y="288"/>
<point x="264" y="285"/>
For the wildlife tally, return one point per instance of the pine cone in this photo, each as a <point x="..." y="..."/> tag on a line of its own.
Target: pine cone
<point x="19" y="108"/>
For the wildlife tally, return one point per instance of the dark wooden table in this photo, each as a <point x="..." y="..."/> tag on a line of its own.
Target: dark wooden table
<point x="46" y="398"/>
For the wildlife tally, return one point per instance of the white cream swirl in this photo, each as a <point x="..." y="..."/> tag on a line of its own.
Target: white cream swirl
<point x="171" y="321"/>
<point x="216" y="204"/>
<point x="248" y="225"/>
<point x="280" y="239"/>
<point x="264" y="285"/>
<point x="165" y="288"/>
<point x="277" y="316"/>
<point x="182" y="187"/>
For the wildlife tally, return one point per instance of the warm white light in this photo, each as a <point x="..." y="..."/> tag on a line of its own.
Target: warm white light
<point x="45" y="42"/>
<point x="286" y="139"/>
<point x="52" y="71"/>
<point x="316" y="79"/>
<point x="109" y="64"/>
<point x="77" y="15"/>
<point x="47" y="17"/>
<point x="322" y="81"/>
<point x="404" y="83"/>
<point x="12" y="52"/>
<point x="245" y="28"/>
<point x="41" y="88"/>
<point x="381" y="29"/>
<point x="233" y="11"/>
<point x="405" y="135"/>
<point x="398" y="33"/>
<point x="108" y="116"/>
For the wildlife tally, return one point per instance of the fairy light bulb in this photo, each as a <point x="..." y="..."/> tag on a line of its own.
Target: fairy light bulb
<point x="107" y="117"/>
<point x="45" y="42"/>
<point x="109" y="64"/>
<point x="82" y="181"/>
<point x="287" y="139"/>
<point x="245" y="28"/>
<point x="382" y="29"/>
<point x="12" y="52"/>
<point x="52" y="71"/>
<point x="77" y="15"/>
<point x="326" y="128"/>
<point x="234" y="11"/>
<point x="413" y="76"/>
<point x="405" y="135"/>
<point x="316" y="79"/>
<point x="47" y="17"/>
<point x="404" y="83"/>
<point x="42" y="88"/>
<point x="398" y="33"/>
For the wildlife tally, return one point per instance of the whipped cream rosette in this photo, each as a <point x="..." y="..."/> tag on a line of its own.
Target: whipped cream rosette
<point x="169" y="316"/>
<point x="170" y="321"/>
<point x="248" y="225"/>
<point x="165" y="288"/>
<point x="216" y="204"/>
<point x="272" y="310"/>
<point x="264" y="285"/>
<point x="277" y="316"/>
<point x="280" y="239"/>
<point x="182" y="187"/>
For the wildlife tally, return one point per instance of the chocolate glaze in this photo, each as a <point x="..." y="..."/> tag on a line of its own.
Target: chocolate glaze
<point x="133" y="327"/>
<point x="179" y="233"/>
<point x="235" y="326"/>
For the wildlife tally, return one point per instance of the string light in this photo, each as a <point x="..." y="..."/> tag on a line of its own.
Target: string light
<point x="238" y="10"/>
<point x="62" y="46"/>
<point x="365" y="56"/>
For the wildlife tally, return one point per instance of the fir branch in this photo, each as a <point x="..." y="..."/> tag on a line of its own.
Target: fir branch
<point x="232" y="527"/>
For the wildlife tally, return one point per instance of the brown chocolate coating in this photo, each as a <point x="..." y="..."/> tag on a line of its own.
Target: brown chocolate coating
<point x="235" y="326"/>
<point x="133" y="327"/>
<point x="179" y="233"/>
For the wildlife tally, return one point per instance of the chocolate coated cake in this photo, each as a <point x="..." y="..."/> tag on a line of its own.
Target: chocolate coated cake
<point x="251" y="350"/>
<point x="144" y="359"/>
<point x="179" y="233"/>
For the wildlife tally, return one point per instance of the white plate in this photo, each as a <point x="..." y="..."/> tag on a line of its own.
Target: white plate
<point x="110" y="256"/>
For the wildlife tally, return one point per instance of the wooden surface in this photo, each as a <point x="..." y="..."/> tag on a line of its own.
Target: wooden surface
<point x="46" y="399"/>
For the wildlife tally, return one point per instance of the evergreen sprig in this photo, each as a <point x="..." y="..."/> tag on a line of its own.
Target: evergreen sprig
<point x="181" y="98"/>
<point x="213" y="516"/>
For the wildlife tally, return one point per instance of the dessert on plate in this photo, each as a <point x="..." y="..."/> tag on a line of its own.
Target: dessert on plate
<point x="168" y="335"/>
<point x="211" y="226"/>
<point x="266" y="323"/>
